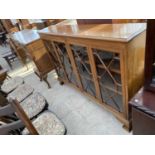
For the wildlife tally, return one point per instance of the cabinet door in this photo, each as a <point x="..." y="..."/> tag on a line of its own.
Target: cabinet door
<point x="66" y="62"/>
<point x="55" y="59"/>
<point x="139" y="121"/>
<point x="83" y="66"/>
<point x="109" y="77"/>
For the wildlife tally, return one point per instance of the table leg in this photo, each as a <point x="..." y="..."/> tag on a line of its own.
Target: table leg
<point x="45" y="79"/>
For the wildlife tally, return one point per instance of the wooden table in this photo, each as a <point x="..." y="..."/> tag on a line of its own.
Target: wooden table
<point x="30" y="41"/>
<point x="103" y="61"/>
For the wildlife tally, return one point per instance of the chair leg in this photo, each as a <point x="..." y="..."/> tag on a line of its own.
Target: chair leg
<point x="9" y="63"/>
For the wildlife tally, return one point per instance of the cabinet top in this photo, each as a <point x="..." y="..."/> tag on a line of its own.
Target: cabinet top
<point x="112" y="32"/>
<point x="25" y="36"/>
<point x="144" y="101"/>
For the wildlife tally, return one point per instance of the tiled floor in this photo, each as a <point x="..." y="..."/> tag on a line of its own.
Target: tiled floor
<point x="79" y="114"/>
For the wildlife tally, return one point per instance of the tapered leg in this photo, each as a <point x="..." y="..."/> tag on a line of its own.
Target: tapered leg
<point x="45" y="79"/>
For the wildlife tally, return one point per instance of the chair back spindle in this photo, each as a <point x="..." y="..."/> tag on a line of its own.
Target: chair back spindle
<point x="22" y="115"/>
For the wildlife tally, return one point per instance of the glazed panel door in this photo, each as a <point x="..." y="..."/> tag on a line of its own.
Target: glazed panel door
<point x="83" y="66"/>
<point x="109" y="77"/>
<point x="60" y="70"/>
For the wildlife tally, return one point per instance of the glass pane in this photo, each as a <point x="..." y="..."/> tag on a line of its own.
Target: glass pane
<point x="83" y="65"/>
<point x="66" y="62"/>
<point x="153" y="73"/>
<point x="109" y="77"/>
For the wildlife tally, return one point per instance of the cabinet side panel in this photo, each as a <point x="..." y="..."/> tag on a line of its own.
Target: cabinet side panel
<point x="135" y="63"/>
<point x="40" y="56"/>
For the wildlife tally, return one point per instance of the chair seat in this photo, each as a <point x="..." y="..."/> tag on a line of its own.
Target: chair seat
<point x="33" y="105"/>
<point x="47" y="124"/>
<point x="20" y="93"/>
<point x="10" y="84"/>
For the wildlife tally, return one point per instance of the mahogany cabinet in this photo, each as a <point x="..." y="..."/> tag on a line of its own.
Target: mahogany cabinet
<point x="150" y="57"/>
<point x="143" y="113"/>
<point x="7" y="24"/>
<point x="105" y="62"/>
<point x="143" y="103"/>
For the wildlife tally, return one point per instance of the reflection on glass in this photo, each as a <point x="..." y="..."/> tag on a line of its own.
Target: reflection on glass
<point x="153" y="73"/>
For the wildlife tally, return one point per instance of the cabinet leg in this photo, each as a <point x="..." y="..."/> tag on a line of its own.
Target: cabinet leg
<point x="128" y="127"/>
<point x="61" y="82"/>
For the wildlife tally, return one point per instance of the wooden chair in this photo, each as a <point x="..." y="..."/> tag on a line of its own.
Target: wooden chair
<point x="32" y="103"/>
<point x="21" y="92"/>
<point x="51" y="124"/>
<point x="10" y="55"/>
<point x="9" y="58"/>
<point x="11" y="84"/>
<point x="3" y="38"/>
<point x="3" y="100"/>
<point x="3" y="74"/>
<point x="9" y="128"/>
<point x="8" y="118"/>
<point x="14" y="29"/>
<point x="27" y="26"/>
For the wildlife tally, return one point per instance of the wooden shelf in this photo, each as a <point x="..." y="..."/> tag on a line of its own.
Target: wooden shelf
<point x="114" y="70"/>
<point x="111" y="89"/>
<point x="117" y="58"/>
<point x="107" y="86"/>
<point x="86" y="77"/>
<point x="110" y="85"/>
